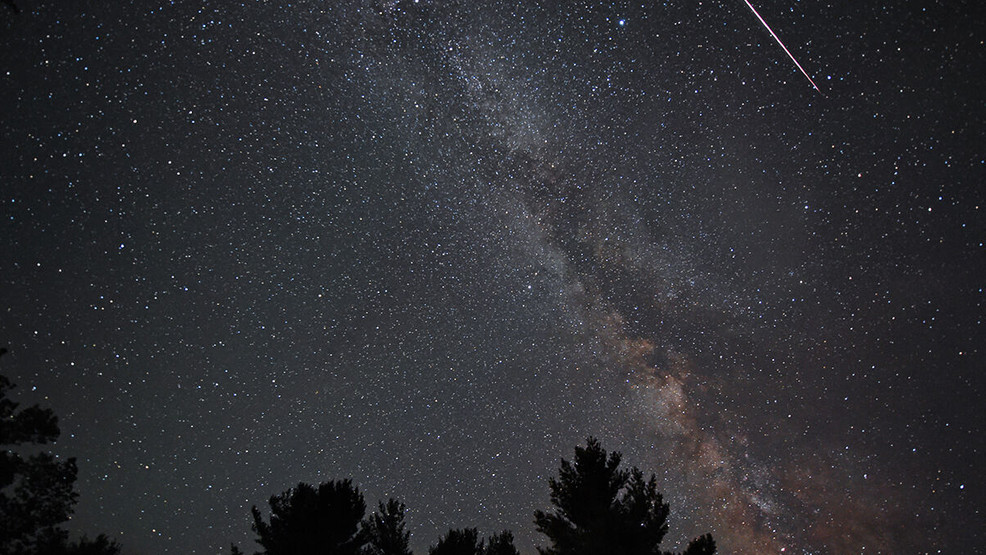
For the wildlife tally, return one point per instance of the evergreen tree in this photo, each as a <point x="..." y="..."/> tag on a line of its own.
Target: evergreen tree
<point x="308" y="520"/>
<point x="102" y="545"/>
<point x="501" y="544"/>
<point x="601" y="509"/>
<point x="384" y="531"/>
<point x="702" y="545"/>
<point x="464" y="541"/>
<point x="36" y="491"/>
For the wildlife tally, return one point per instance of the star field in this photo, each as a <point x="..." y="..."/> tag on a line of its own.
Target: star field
<point x="432" y="246"/>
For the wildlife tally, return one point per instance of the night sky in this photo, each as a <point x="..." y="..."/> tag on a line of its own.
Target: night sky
<point x="434" y="246"/>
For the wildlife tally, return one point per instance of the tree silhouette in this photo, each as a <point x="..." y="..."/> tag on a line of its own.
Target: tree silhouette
<point x="384" y="531"/>
<point x="36" y="491"/>
<point x="308" y="520"/>
<point x="466" y="541"/>
<point x="463" y="541"/>
<point x="99" y="546"/>
<point x="601" y="509"/>
<point x="501" y="544"/>
<point x="702" y="545"/>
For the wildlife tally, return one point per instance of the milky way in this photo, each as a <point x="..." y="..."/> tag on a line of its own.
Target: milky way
<point x="433" y="246"/>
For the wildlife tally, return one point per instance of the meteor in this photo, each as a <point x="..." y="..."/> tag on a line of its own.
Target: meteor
<point x="773" y="34"/>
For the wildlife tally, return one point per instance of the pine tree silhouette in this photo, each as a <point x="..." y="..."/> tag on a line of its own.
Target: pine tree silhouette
<point x="601" y="509"/>
<point x="501" y="544"/>
<point x="384" y="531"/>
<point x="36" y="491"/>
<point x="307" y="520"/>
<point x="463" y="541"/>
<point x="466" y="541"/>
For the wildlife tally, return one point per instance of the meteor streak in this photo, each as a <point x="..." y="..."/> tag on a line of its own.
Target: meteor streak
<point x="773" y="34"/>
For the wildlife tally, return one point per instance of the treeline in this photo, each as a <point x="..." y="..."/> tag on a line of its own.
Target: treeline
<point x="37" y="491"/>
<point x="598" y="508"/>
